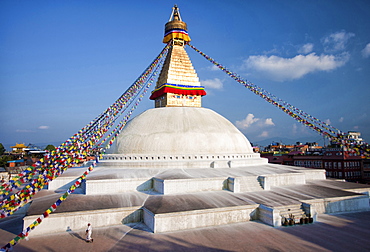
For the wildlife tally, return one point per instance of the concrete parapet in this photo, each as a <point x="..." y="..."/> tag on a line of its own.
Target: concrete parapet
<point x="61" y="182"/>
<point x="314" y="174"/>
<point x="171" y="186"/>
<point x="340" y="204"/>
<point x="251" y="161"/>
<point x="220" y="164"/>
<point x="187" y="161"/>
<point x="364" y="191"/>
<point x="107" y="186"/>
<point x="269" y="215"/>
<point x="149" y="219"/>
<point x="174" y="221"/>
<point x="310" y="210"/>
<point x="158" y="185"/>
<point x="317" y="204"/>
<point x="282" y="179"/>
<point x="62" y="222"/>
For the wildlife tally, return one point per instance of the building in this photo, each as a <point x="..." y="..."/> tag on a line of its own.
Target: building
<point x="19" y="148"/>
<point x="343" y="164"/>
<point x="339" y="161"/>
<point x="366" y="170"/>
<point x="180" y="166"/>
<point x="354" y="136"/>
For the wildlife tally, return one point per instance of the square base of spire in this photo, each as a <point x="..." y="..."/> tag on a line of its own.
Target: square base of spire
<point x="178" y="100"/>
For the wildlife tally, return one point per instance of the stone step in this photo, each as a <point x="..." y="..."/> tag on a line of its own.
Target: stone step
<point x="244" y="184"/>
<point x="295" y="210"/>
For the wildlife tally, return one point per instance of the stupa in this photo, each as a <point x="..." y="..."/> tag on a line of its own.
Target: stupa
<point x="181" y="166"/>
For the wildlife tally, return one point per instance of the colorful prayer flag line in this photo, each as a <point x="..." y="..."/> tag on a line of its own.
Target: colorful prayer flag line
<point x="297" y="114"/>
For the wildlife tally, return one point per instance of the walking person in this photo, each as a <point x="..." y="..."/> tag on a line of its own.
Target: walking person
<point x="89" y="233"/>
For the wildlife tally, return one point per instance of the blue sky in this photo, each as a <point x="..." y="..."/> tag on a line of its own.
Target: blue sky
<point x="64" y="62"/>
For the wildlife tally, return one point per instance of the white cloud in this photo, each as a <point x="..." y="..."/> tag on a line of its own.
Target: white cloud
<point x="306" y="48"/>
<point x="214" y="68"/>
<point x="366" y="51"/>
<point x="269" y="121"/>
<point x="294" y="129"/>
<point x="300" y="130"/>
<point x="264" y="134"/>
<point x="251" y="119"/>
<point x="341" y="119"/>
<point x="272" y="51"/>
<point x="43" y="127"/>
<point x="24" y="131"/>
<point x="281" y="69"/>
<point x="363" y="116"/>
<point x="215" y="83"/>
<point x="248" y="121"/>
<point x="337" y="41"/>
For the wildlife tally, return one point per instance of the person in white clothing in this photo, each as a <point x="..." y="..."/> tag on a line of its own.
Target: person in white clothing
<point x="89" y="233"/>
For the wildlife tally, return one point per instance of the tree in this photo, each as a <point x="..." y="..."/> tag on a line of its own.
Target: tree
<point x="2" y="149"/>
<point x="50" y="147"/>
<point x="4" y="160"/>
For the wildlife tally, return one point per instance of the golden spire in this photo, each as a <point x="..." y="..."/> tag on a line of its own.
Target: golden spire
<point x="175" y="28"/>
<point x="178" y="84"/>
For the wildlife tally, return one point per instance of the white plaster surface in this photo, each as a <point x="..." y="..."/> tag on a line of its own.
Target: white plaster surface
<point x="283" y="179"/>
<point x="117" y="185"/>
<point x="169" y="186"/>
<point x="244" y="184"/>
<point x="181" y="130"/>
<point x="61" y="182"/>
<point x="269" y="215"/>
<point x="61" y="222"/>
<point x="199" y="218"/>
<point x="340" y="204"/>
<point x="182" y="161"/>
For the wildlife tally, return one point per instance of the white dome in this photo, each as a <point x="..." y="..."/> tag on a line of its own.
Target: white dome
<point x="181" y="130"/>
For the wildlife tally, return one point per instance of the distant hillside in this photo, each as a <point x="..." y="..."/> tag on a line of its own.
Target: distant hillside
<point x="264" y="142"/>
<point x="287" y="141"/>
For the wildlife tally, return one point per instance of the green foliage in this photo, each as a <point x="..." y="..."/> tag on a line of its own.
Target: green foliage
<point x="50" y="147"/>
<point x="4" y="160"/>
<point x="2" y="149"/>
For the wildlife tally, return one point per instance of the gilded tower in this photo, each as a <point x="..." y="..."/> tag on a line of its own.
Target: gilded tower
<point x="178" y="84"/>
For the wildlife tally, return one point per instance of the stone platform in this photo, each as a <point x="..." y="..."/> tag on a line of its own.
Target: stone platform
<point x="180" y="199"/>
<point x="251" y="236"/>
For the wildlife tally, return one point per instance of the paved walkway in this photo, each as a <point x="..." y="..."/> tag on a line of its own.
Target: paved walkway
<point x="345" y="232"/>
